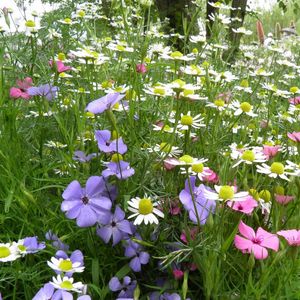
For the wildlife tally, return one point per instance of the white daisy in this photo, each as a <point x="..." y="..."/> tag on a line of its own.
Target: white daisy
<point x="249" y="157"/>
<point x="187" y="121"/>
<point x="219" y="104"/>
<point x="9" y="252"/>
<point x="185" y="160"/>
<point x="67" y="284"/>
<point x="276" y="169"/>
<point x="165" y="149"/>
<point x="65" y="265"/>
<point x="144" y="210"/>
<point x="244" y="107"/>
<point x="198" y="170"/>
<point x="225" y="193"/>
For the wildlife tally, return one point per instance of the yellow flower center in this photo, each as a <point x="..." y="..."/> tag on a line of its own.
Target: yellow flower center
<point x="186" y="120"/>
<point x="188" y="92"/>
<point x="68" y="20"/>
<point x="277" y="168"/>
<point x="179" y="82"/>
<point x="65" y="265"/>
<point x="186" y="159"/>
<point x="294" y="89"/>
<point x="165" y="147"/>
<point x="245" y="107"/>
<point x="244" y="83"/>
<point x="22" y="248"/>
<point x="4" y="252"/>
<point x="119" y="89"/>
<point x="265" y="195"/>
<point x="248" y="155"/>
<point x="176" y="54"/>
<point x="198" y="168"/>
<point x="219" y="102"/>
<point x="30" y="23"/>
<point x="116" y="157"/>
<point x="81" y="90"/>
<point x="116" y="106"/>
<point x="81" y="13"/>
<point x="145" y="206"/>
<point x="159" y="90"/>
<point x="67" y="285"/>
<point x="120" y="48"/>
<point x="61" y="56"/>
<point x="226" y="192"/>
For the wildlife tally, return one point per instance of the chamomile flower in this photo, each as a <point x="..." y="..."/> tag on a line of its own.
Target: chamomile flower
<point x="225" y="193"/>
<point x="187" y="121"/>
<point x="249" y="157"/>
<point x="160" y="90"/>
<point x="244" y="107"/>
<point x="67" y="284"/>
<point x="9" y="252"/>
<point x="185" y="160"/>
<point x="165" y="149"/>
<point x="277" y="169"/>
<point x="177" y="55"/>
<point x="62" y="265"/>
<point x="218" y="104"/>
<point x="198" y="170"/>
<point x="144" y="210"/>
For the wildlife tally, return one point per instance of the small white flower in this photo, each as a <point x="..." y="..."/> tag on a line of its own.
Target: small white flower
<point x="65" y="265"/>
<point x="249" y="157"/>
<point x="276" y="169"/>
<point x="165" y="149"/>
<point x="9" y="252"/>
<point x="144" y="211"/>
<point x="67" y="284"/>
<point x="225" y="193"/>
<point x="187" y="121"/>
<point x="244" y="107"/>
<point x="198" y="170"/>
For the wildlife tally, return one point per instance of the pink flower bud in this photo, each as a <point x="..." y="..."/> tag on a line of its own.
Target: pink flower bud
<point x="141" y="68"/>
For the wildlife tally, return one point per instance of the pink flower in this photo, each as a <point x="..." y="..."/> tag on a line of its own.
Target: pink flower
<point x="21" y="90"/>
<point x="245" y="207"/>
<point x="178" y="274"/>
<point x="212" y="177"/>
<point x="193" y="233"/>
<point x="270" y="151"/>
<point x="141" y="68"/>
<point x="294" y="136"/>
<point x="255" y="243"/>
<point x="283" y="199"/>
<point x="292" y="236"/>
<point x="295" y="100"/>
<point x="60" y="66"/>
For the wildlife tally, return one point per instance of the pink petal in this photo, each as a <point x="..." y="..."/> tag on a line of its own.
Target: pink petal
<point x="269" y="240"/>
<point x="246" y="231"/>
<point x="242" y="243"/>
<point x="259" y="251"/>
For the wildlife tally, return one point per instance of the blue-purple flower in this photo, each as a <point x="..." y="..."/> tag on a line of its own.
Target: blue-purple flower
<point x="56" y="242"/>
<point x="105" y="144"/>
<point x="30" y="245"/>
<point x="82" y="157"/>
<point x="87" y="205"/>
<point x="164" y="296"/>
<point x="102" y="104"/>
<point x="203" y="205"/>
<point x="46" y="90"/>
<point x="126" y="288"/>
<point x="119" y="169"/>
<point x="115" y="227"/>
<point x="139" y="257"/>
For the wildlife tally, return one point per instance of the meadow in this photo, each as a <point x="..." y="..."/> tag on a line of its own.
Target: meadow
<point x="138" y="163"/>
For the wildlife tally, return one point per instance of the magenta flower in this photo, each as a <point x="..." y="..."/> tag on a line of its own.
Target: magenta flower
<point x="87" y="205"/>
<point x="102" y="104"/>
<point x="245" y="207"/>
<point x="295" y="100"/>
<point x="294" y="136"/>
<point x="141" y="68"/>
<point x="284" y="199"/>
<point x="256" y="243"/>
<point x="292" y="236"/>
<point x="270" y="151"/>
<point x="60" y="67"/>
<point x="21" y="90"/>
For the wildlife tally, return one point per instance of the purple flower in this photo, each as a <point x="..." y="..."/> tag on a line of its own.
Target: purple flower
<point x="107" y="145"/>
<point x="203" y="205"/>
<point x="164" y="296"/>
<point x="45" y="293"/>
<point x="115" y="227"/>
<point x="45" y="90"/>
<point x="87" y="205"/>
<point x="126" y="288"/>
<point x="57" y="243"/>
<point x="106" y="102"/>
<point x="30" y="245"/>
<point x="139" y="257"/>
<point x="81" y="157"/>
<point x="120" y="169"/>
